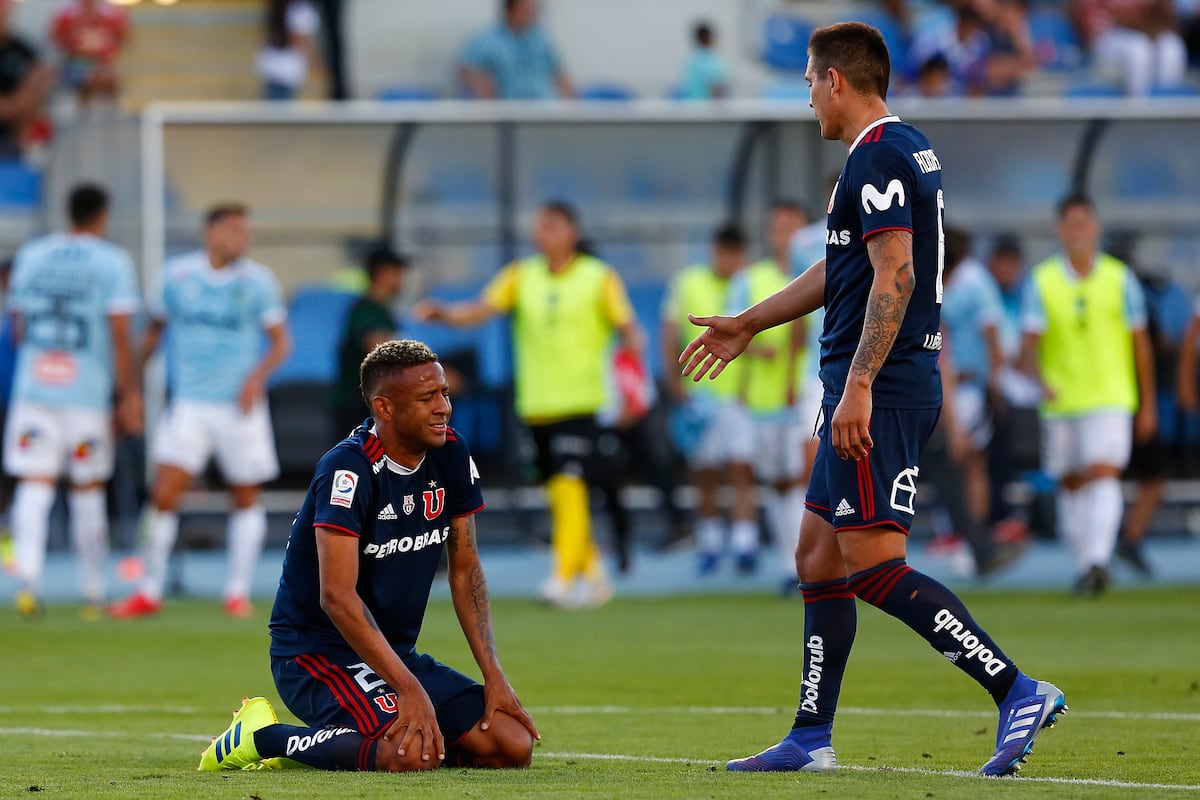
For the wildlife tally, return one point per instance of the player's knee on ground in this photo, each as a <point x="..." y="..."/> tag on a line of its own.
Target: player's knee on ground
<point x="506" y="744"/>
<point x="388" y="760"/>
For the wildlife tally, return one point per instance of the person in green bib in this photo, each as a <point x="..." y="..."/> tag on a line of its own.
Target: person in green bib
<point x="1084" y="337"/>
<point x="567" y="308"/>
<point x="708" y="426"/>
<point x="771" y="382"/>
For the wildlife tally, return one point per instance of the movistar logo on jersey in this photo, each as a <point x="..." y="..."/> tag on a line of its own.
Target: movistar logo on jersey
<point x="407" y="544"/>
<point x="972" y="647"/>
<point x="874" y="200"/>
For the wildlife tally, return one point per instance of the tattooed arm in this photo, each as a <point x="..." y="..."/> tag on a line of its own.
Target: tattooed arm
<point x="893" y="285"/>
<point x="469" y="592"/>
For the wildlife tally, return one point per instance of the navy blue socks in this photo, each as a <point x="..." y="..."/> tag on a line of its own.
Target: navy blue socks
<point x="322" y="748"/>
<point x="830" y="621"/>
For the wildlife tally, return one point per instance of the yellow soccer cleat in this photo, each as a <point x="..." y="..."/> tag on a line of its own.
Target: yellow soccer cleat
<point x="234" y="749"/>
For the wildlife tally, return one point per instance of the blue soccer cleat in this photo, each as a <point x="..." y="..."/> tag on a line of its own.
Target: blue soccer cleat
<point x="802" y="750"/>
<point x="1029" y="708"/>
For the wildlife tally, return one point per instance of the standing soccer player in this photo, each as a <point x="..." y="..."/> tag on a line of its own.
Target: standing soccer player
<point x="73" y="295"/>
<point x="360" y="563"/>
<point x="218" y="304"/>
<point x="880" y="283"/>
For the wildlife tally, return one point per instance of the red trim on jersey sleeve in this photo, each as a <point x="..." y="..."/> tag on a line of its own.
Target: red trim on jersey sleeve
<point x="336" y="529"/>
<point x="469" y="513"/>
<point x="883" y="523"/>
<point x="868" y="234"/>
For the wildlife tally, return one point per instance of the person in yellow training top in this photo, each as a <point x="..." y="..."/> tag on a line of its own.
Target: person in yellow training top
<point x="565" y="307"/>
<point x="708" y="427"/>
<point x="770" y="384"/>
<point x="1083" y="320"/>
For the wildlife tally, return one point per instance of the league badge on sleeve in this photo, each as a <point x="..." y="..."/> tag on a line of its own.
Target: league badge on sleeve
<point x="345" y="482"/>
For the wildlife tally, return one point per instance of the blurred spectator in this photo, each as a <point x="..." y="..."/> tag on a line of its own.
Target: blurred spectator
<point x="514" y="60"/>
<point x="707" y="425"/>
<point x="332" y="14"/>
<point x="706" y="76"/>
<point x="1189" y="25"/>
<point x="566" y="309"/>
<point x="289" y="47"/>
<point x="1084" y="322"/>
<point x="933" y="79"/>
<point x="1135" y="41"/>
<point x="25" y="82"/>
<point x="90" y="34"/>
<point x="369" y="322"/>
<point x="962" y="41"/>
<point x="1011" y="56"/>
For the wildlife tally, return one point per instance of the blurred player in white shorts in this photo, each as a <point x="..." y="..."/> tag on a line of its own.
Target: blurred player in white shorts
<point x="217" y="304"/>
<point x="73" y="295"/>
<point x="769" y="391"/>
<point x="708" y="427"/>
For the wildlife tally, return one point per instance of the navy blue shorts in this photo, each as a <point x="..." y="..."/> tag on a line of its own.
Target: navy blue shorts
<point x="340" y="690"/>
<point x="881" y="489"/>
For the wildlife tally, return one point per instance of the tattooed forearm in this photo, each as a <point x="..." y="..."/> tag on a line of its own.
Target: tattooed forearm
<point x="468" y="588"/>
<point x="891" y="256"/>
<point x="481" y="608"/>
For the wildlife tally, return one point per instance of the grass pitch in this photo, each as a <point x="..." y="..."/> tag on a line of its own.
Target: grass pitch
<point x="641" y="699"/>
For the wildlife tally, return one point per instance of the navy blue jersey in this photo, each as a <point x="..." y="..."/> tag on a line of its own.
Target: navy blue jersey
<point x="401" y="519"/>
<point x="891" y="181"/>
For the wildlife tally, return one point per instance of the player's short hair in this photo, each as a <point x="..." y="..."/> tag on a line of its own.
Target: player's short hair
<point x="1075" y="199"/>
<point x="1006" y="244"/>
<point x="389" y="358"/>
<point x="702" y="33"/>
<point x="790" y="204"/>
<point x="86" y="203"/>
<point x="381" y="257"/>
<point x="857" y="51"/>
<point x="729" y="235"/>
<point x="563" y="209"/>
<point x="220" y="211"/>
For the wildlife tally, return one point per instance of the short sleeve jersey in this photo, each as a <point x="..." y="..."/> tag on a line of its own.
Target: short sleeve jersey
<point x="401" y="519"/>
<point x="891" y="181"/>
<point x="215" y="319"/>
<point x="523" y="64"/>
<point x="65" y="288"/>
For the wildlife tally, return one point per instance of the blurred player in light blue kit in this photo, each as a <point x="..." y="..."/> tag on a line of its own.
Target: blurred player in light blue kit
<point x="218" y="304"/>
<point x="73" y="296"/>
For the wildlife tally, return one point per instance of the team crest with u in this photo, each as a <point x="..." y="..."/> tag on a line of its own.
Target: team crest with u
<point x="434" y="501"/>
<point x="409" y="504"/>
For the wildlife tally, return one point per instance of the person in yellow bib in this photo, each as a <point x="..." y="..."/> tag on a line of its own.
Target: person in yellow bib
<point x="566" y="309"/>
<point x="1084" y="337"/>
<point x="708" y="426"/>
<point x="771" y="382"/>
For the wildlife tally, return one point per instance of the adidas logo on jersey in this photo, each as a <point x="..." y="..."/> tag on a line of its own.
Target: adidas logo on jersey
<point x="844" y="509"/>
<point x="387" y="513"/>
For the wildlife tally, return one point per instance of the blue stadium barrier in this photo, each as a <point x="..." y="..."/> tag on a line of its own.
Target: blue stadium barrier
<point x="606" y="92"/>
<point x="786" y="90"/>
<point x="785" y="42"/>
<point x="407" y="94"/>
<point x="315" y="316"/>
<point x="1175" y="90"/>
<point x="1084" y="89"/>
<point x="20" y="186"/>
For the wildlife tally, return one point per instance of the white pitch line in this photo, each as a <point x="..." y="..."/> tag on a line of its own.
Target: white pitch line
<point x="1155" y="716"/>
<point x="948" y="773"/>
<point x="196" y="737"/>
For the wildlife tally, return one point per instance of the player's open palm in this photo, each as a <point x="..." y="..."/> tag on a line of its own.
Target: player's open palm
<point x="416" y="726"/>
<point x="498" y="695"/>
<point x="850" y="430"/>
<point x="724" y="339"/>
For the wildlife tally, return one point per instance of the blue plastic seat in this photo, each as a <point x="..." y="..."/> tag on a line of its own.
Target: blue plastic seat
<point x="20" y="186"/>
<point x="407" y="94"/>
<point x="1092" y="89"/>
<point x="315" y="317"/>
<point x="606" y="92"/>
<point x="785" y="42"/>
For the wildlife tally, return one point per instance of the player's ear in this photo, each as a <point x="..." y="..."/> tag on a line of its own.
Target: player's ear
<point x="382" y="407"/>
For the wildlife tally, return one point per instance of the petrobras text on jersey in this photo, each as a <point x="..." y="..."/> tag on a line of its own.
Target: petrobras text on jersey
<point x="406" y="544"/>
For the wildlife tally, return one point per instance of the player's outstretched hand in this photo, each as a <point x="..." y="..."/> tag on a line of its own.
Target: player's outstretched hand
<point x="427" y="311"/>
<point x="498" y="695"/>
<point x="415" y="717"/>
<point x="724" y="340"/>
<point x="851" y="426"/>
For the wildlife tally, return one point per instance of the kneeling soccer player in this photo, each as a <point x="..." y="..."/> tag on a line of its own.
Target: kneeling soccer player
<point x="356" y="579"/>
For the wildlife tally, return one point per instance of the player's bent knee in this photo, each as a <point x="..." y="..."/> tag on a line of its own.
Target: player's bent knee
<point x="506" y="744"/>
<point x="388" y="760"/>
